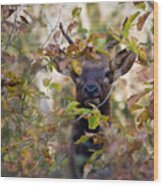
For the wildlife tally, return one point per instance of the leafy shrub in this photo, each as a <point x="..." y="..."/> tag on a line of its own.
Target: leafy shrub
<point x="34" y="144"/>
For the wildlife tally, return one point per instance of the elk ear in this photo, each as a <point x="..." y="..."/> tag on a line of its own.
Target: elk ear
<point x="122" y="63"/>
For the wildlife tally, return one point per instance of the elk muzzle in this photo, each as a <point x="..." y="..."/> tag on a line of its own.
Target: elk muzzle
<point x="91" y="92"/>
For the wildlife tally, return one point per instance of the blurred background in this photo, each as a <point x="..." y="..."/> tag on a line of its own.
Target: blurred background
<point x="35" y="124"/>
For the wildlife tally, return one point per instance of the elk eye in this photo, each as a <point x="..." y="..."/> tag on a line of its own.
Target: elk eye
<point x="107" y="73"/>
<point x="74" y="75"/>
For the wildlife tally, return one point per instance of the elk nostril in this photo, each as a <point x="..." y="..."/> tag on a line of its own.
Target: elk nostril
<point x="90" y="89"/>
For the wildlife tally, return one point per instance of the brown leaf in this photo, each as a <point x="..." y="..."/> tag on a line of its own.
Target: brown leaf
<point x="64" y="65"/>
<point x="142" y="20"/>
<point x="87" y="168"/>
<point x="136" y="145"/>
<point x="53" y="47"/>
<point x="24" y="20"/>
<point x="72" y="25"/>
<point x="11" y="167"/>
<point x="143" y="116"/>
<point x="142" y="57"/>
<point x="7" y="11"/>
<point x="146" y="74"/>
<point x="51" y="50"/>
<point x="56" y="35"/>
<point x="151" y="107"/>
<point x="30" y="15"/>
<point x="10" y="12"/>
<point x="133" y="99"/>
<point x="7" y="58"/>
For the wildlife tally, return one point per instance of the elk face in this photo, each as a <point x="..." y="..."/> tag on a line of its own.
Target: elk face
<point x="95" y="81"/>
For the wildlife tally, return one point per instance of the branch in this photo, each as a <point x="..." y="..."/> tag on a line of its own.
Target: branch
<point x="69" y="40"/>
<point x="56" y="61"/>
<point x="106" y="98"/>
<point x="12" y="34"/>
<point x="52" y="30"/>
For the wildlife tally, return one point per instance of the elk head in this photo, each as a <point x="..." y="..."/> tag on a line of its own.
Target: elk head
<point x="95" y="81"/>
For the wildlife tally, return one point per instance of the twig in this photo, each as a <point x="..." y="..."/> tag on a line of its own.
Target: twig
<point x="69" y="40"/>
<point x="11" y="35"/>
<point x="52" y="30"/>
<point x="56" y="61"/>
<point x="106" y="98"/>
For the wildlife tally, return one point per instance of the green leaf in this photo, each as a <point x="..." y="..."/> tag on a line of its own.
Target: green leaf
<point x="115" y="36"/>
<point x="6" y="158"/>
<point x="51" y="66"/>
<point x="56" y="86"/>
<point x="128" y="23"/>
<point x="84" y="111"/>
<point x="147" y="90"/>
<point x="134" y="44"/>
<point x="96" y="154"/>
<point x="104" y="118"/>
<point x="144" y="115"/>
<point x="102" y="51"/>
<point x="140" y="5"/>
<point x="72" y="106"/>
<point x="136" y="107"/>
<point x="83" y="30"/>
<point x="149" y="83"/>
<point x="41" y="93"/>
<point x="82" y="139"/>
<point x="93" y="122"/>
<point x="142" y="54"/>
<point x="76" y="11"/>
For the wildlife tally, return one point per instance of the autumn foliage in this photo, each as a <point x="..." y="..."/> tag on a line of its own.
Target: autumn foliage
<point x="35" y="143"/>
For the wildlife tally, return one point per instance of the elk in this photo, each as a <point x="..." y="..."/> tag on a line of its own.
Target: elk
<point x="94" y="86"/>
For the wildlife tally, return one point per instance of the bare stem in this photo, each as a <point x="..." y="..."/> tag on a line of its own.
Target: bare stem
<point x="13" y="31"/>
<point x="69" y="40"/>
<point x="52" y="30"/>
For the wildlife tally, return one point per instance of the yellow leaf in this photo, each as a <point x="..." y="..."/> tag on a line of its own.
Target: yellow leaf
<point x="46" y="82"/>
<point x="76" y="66"/>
